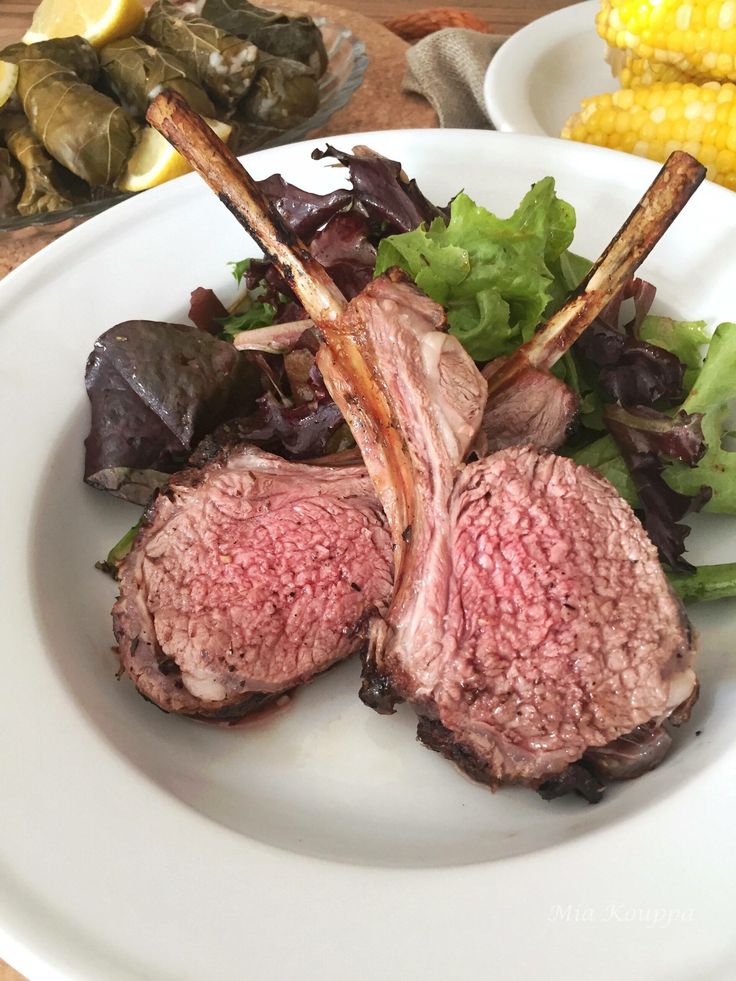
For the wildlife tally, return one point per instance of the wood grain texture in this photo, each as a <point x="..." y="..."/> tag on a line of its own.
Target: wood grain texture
<point x="505" y="17"/>
<point x="374" y="106"/>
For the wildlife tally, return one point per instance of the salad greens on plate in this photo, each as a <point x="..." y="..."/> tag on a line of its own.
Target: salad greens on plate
<point x="654" y="392"/>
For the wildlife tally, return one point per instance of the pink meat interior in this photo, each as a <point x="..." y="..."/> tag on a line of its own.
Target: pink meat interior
<point x="266" y="589"/>
<point x="568" y="637"/>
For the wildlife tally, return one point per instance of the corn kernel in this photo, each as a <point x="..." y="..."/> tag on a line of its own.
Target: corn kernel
<point x="697" y="37"/>
<point x="695" y="130"/>
<point x="707" y="155"/>
<point x="683" y="15"/>
<point x="727" y="15"/>
<point x="629" y="141"/>
<point x="653" y="121"/>
<point x="725" y="161"/>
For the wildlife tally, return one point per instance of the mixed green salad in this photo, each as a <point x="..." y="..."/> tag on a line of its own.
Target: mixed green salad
<point x="654" y="392"/>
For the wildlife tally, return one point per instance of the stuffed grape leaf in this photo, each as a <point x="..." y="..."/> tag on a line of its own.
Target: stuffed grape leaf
<point x="10" y="183"/>
<point x="284" y="94"/>
<point x="42" y="189"/>
<point x="85" y="131"/>
<point x="225" y="65"/>
<point x="295" y="37"/>
<point x="74" y="53"/>
<point x="136" y="72"/>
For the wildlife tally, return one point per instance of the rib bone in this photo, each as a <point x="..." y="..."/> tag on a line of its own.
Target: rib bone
<point x="364" y="404"/>
<point x="170" y="114"/>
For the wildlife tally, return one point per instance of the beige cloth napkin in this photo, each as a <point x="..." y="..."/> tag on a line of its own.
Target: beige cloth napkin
<point x="448" y="69"/>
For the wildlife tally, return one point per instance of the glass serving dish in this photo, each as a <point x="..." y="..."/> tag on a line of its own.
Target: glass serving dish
<point x="347" y="61"/>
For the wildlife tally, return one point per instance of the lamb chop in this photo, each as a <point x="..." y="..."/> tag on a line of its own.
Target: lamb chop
<point x="531" y="623"/>
<point x="248" y="577"/>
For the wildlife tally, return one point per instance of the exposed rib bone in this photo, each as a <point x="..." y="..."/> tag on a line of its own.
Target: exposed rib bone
<point x="662" y="203"/>
<point x="170" y="114"/>
<point x="348" y="374"/>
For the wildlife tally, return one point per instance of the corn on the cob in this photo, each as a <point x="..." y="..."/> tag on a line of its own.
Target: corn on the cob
<point x="655" y="120"/>
<point x="632" y="71"/>
<point x="696" y="36"/>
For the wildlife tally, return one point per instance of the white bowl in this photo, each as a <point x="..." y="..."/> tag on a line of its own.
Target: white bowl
<point x="540" y="75"/>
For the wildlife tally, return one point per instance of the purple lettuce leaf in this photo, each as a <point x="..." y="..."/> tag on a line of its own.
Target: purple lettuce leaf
<point x="304" y="212"/>
<point x="344" y="248"/>
<point x="643" y="437"/>
<point x="679" y="437"/>
<point x="382" y="191"/>
<point x="632" y="371"/>
<point x="206" y="310"/>
<point x="342" y="228"/>
<point x="636" y="376"/>
<point x="642" y="293"/>
<point x="663" y="508"/>
<point x="296" y="433"/>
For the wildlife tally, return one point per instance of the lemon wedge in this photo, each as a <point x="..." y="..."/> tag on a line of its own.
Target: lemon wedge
<point x="154" y="161"/>
<point x="8" y="78"/>
<point x="99" y="21"/>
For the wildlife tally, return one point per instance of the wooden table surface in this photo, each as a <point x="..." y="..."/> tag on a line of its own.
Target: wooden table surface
<point x="503" y="17"/>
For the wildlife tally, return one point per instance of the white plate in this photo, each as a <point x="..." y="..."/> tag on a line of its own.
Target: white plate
<point x="324" y="844"/>
<point x="541" y="74"/>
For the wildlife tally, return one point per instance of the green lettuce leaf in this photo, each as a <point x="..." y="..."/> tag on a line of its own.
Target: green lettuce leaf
<point x="603" y="455"/>
<point x="716" y="383"/>
<point x="712" y="388"/>
<point x="259" y="314"/>
<point x="496" y="277"/>
<point x="569" y="270"/>
<point x="683" y="338"/>
<point x="239" y="269"/>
